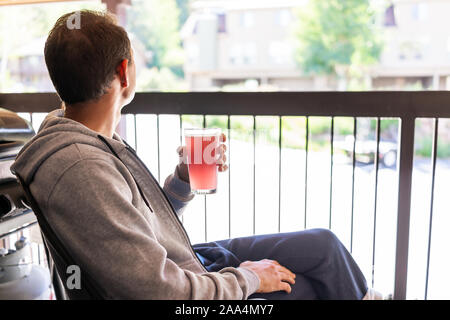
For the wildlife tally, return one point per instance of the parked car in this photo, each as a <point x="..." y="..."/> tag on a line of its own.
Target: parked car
<point x="365" y="150"/>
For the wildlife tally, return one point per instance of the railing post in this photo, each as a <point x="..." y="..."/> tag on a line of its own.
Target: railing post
<point x="405" y="162"/>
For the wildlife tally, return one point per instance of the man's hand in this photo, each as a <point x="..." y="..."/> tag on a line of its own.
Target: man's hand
<point x="182" y="168"/>
<point x="272" y="276"/>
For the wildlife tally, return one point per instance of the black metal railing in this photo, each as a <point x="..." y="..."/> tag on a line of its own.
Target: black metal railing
<point x="405" y="106"/>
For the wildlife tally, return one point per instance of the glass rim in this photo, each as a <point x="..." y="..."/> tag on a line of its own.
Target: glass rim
<point x="201" y="131"/>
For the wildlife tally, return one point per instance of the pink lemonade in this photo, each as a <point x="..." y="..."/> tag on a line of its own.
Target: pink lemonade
<point x="201" y="157"/>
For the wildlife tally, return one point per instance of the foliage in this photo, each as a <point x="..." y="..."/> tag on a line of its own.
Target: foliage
<point x="424" y="147"/>
<point x="183" y="6"/>
<point x="267" y="130"/>
<point x="336" y="33"/>
<point x="154" y="79"/>
<point x="156" y="24"/>
<point x="20" y="25"/>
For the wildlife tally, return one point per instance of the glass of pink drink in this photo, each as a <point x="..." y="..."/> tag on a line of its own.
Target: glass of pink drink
<point x="201" y="145"/>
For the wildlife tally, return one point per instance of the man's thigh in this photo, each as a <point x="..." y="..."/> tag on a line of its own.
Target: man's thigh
<point x="299" y="251"/>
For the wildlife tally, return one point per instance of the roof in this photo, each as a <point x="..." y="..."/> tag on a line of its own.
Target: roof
<point x="246" y="4"/>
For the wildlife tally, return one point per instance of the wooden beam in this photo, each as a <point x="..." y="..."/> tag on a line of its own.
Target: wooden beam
<point x="118" y="8"/>
<point x="19" y="2"/>
<point x="113" y="6"/>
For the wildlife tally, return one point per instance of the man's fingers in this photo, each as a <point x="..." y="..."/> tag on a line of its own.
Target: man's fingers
<point x="182" y="154"/>
<point x="289" y="277"/>
<point x="284" y="286"/>
<point x="223" y="137"/>
<point x="223" y="168"/>
<point x="222" y="148"/>
<point x="284" y="269"/>
<point x="220" y="152"/>
<point x="222" y="160"/>
<point x="287" y="271"/>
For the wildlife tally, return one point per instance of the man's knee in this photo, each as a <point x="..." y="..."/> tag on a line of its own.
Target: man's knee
<point x="326" y="240"/>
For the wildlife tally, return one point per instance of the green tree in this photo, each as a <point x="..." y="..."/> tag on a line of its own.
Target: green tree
<point x="183" y="6"/>
<point x="163" y="79"/>
<point x="20" y="25"/>
<point x="156" y="24"/>
<point x="336" y="36"/>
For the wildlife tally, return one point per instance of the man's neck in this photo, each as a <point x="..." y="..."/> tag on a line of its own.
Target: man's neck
<point x="101" y="116"/>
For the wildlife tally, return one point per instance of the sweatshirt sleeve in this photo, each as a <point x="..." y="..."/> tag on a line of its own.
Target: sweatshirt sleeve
<point x="92" y="212"/>
<point x="178" y="191"/>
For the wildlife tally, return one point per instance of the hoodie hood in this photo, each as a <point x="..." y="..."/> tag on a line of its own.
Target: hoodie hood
<point x="56" y="133"/>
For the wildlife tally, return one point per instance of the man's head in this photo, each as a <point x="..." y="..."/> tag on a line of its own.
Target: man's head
<point x="90" y="60"/>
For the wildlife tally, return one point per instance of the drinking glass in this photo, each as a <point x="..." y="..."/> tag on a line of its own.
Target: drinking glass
<point x="201" y="147"/>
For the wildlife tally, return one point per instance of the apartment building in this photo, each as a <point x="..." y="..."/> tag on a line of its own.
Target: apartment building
<point x="229" y="42"/>
<point x="417" y="46"/>
<point x="233" y="41"/>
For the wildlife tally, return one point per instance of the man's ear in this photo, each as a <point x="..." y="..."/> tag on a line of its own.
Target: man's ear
<point x="122" y="72"/>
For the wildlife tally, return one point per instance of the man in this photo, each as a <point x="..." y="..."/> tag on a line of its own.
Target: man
<point x="119" y="225"/>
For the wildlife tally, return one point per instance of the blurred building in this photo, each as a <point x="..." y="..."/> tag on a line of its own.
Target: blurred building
<point x="27" y="67"/>
<point x="417" y="47"/>
<point x="229" y="42"/>
<point x="28" y="71"/>
<point x="233" y="41"/>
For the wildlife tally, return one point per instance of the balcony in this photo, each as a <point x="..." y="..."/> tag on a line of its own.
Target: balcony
<point x="391" y="216"/>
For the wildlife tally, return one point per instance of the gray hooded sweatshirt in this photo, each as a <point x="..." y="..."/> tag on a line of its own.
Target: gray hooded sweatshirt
<point x="92" y="201"/>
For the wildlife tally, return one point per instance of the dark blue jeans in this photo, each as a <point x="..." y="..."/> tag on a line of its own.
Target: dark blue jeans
<point x="324" y="268"/>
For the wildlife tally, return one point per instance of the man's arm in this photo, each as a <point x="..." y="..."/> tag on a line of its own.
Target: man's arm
<point x="93" y="211"/>
<point x="178" y="191"/>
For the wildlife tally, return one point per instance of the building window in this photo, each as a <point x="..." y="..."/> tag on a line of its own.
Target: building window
<point x="247" y="19"/>
<point x="221" y="23"/>
<point x="192" y="52"/>
<point x="280" y="52"/>
<point x="250" y="53"/>
<point x="419" y="11"/>
<point x="413" y="50"/>
<point x="389" y="17"/>
<point x="282" y="17"/>
<point x="235" y="54"/>
<point x="243" y="54"/>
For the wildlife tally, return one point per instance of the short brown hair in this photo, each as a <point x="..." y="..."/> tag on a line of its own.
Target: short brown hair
<point x="82" y="61"/>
